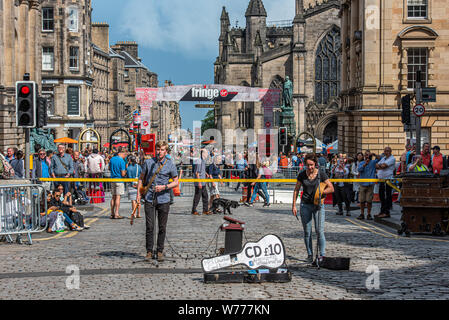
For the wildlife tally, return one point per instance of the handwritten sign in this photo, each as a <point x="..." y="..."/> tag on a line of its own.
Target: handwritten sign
<point x="268" y="252"/>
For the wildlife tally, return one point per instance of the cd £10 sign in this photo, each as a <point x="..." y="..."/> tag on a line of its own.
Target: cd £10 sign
<point x="268" y="252"/>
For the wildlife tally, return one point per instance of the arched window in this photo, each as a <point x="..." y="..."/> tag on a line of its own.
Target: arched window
<point x="327" y="67"/>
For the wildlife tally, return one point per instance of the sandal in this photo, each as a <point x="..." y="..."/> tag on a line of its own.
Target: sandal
<point x="383" y="215"/>
<point x="119" y="217"/>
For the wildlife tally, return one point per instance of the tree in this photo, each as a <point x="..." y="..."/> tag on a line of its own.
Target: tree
<point x="209" y="121"/>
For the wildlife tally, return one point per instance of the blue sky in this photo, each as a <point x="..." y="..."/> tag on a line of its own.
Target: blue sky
<point x="178" y="39"/>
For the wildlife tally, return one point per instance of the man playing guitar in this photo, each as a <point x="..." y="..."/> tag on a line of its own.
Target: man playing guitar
<point x="154" y="188"/>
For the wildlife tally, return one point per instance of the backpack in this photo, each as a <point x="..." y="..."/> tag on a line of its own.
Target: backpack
<point x="7" y="172"/>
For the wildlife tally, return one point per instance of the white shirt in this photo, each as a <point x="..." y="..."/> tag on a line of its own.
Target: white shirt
<point x="388" y="172"/>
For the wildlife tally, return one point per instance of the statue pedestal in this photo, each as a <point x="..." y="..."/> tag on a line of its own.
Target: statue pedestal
<point x="288" y="120"/>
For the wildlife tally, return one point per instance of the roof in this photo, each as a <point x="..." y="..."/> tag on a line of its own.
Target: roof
<point x="114" y="54"/>
<point x="256" y="8"/>
<point x="131" y="62"/>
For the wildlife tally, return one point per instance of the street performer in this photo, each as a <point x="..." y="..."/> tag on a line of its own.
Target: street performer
<point x="311" y="179"/>
<point x="154" y="187"/>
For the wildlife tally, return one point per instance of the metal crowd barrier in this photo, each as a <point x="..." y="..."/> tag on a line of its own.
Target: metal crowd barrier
<point x="20" y="211"/>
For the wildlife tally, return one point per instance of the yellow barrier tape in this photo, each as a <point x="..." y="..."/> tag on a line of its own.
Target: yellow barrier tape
<point x="208" y="180"/>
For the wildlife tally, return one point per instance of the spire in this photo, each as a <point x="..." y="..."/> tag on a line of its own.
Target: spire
<point x="224" y="16"/>
<point x="299" y="17"/>
<point x="256" y="8"/>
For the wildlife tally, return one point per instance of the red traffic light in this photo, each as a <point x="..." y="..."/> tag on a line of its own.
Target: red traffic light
<point x="282" y="130"/>
<point x="25" y="90"/>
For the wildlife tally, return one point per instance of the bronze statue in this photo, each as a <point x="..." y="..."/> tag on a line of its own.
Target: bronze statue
<point x="287" y="93"/>
<point x="42" y="137"/>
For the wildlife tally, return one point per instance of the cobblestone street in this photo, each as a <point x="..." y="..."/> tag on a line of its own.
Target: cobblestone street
<point x="110" y="259"/>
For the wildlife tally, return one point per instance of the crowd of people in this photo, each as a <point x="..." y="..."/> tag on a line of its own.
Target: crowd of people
<point x="92" y="163"/>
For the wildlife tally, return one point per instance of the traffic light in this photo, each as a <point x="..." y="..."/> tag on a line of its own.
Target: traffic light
<point x="26" y="104"/>
<point x="283" y="136"/>
<point x="41" y="112"/>
<point x="406" y="109"/>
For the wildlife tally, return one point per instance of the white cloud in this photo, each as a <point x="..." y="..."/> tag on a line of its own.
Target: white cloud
<point x="191" y="27"/>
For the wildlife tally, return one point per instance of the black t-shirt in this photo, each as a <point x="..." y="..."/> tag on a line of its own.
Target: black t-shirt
<point x="309" y="186"/>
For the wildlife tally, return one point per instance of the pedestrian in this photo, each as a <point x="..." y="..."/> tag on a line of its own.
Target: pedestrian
<point x="62" y="166"/>
<point x="367" y="170"/>
<point x="9" y="154"/>
<point x="50" y="154"/>
<point x="310" y="180"/>
<point x="439" y="162"/>
<point x="385" y="170"/>
<point x="156" y="173"/>
<point x="260" y="186"/>
<point x="133" y="171"/>
<point x="356" y="174"/>
<point x="349" y="188"/>
<point x="17" y="165"/>
<point x="240" y="165"/>
<point x="41" y="169"/>
<point x="213" y="170"/>
<point x="426" y="156"/>
<point x="341" y="172"/>
<point x="117" y="166"/>
<point x="417" y="165"/>
<point x="94" y="166"/>
<point x="200" y="187"/>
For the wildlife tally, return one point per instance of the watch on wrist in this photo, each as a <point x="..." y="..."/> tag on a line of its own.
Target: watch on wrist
<point x="166" y="187"/>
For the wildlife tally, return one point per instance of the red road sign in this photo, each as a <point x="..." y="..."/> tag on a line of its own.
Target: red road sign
<point x="419" y="110"/>
<point x="268" y="124"/>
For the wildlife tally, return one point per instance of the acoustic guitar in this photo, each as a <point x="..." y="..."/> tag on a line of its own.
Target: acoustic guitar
<point x="316" y="199"/>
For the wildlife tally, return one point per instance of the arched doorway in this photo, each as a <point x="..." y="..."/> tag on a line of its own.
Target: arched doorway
<point x="330" y="133"/>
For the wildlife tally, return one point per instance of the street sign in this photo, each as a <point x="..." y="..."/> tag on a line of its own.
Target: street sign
<point x="206" y="106"/>
<point x="268" y="124"/>
<point x="429" y="94"/>
<point x="419" y="110"/>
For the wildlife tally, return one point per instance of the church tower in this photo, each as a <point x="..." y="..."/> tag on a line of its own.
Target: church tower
<point x="299" y="24"/>
<point x="224" y="28"/>
<point x="256" y="22"/>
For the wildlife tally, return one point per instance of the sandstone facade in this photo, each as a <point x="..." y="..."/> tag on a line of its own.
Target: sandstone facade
<point x="19" y="54"/>
<point x="382" y="49"/>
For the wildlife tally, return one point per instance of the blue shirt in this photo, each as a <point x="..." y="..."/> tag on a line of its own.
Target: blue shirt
<point x="167" y="172"/>
<point x="117" y="165"/>
<point x="45" y="169"/>
<point x="241" y="164"/>
<point x="133" y="171"/>
<point x="368" y="172"/>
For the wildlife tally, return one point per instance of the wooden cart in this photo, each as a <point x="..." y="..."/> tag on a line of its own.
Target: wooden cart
<point x="425" y="203"/>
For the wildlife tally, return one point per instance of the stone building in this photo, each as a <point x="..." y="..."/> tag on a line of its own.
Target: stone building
<point x="108" y="107"/>
<point x="19" y="54"/>
<point x="383" y="48"/>
<point x="136" y="74"/>
<point x="166" y="117"/>
<point x="307" y="50"/>
<point x="67" y="74"/>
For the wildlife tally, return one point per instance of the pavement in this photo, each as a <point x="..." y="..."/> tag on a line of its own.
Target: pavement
<point x="106" y="262"/>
